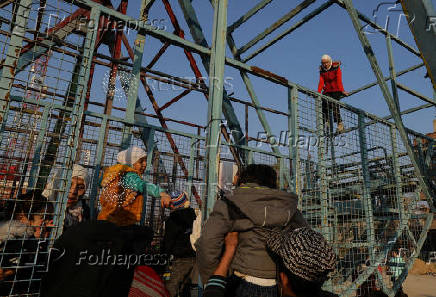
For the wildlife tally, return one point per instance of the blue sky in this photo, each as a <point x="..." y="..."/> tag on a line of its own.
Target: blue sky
<point x="296" y="57"/>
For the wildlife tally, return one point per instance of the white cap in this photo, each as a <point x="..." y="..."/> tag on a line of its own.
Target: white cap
<point x="81" y="172"/>
<point x="131" y="155"/>
<point x="326" y="57"/>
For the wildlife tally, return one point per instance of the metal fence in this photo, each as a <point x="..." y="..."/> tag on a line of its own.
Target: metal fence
<point x="358" y="187"/>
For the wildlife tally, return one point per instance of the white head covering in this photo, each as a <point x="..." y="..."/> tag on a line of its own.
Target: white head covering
<point x="81" y="172"/>
<point x="326" y="57"/>
<point x="54" y="185"/>
<point x="131" y="155"/>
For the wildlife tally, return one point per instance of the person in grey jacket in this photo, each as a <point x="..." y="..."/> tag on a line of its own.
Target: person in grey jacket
<point x="255" y="208"/>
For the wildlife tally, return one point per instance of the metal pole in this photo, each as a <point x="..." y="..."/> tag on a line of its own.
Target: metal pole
<point x="77" y="114"/>
<point x="150" y="149"/>
<point x="197" y="34"/>
<point x="322" y="170"/>
<point x="136" y="76"/>
<point x="397" y="175"/>
<point x="216" y="78"/>
<point x="392" y="72"/>
<point x="189" y="180"/>
<point x="366" y="197"/>
<point x="293" y="136"/>
<point x="98" y="162"/>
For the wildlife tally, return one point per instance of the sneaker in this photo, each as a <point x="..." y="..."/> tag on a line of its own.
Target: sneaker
<point x="340" y="128"/>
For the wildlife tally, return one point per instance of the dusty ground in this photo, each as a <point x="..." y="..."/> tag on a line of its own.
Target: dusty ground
<point x="420" y="286"/>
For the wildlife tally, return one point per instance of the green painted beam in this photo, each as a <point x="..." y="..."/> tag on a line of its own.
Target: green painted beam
<point x="285" y="33"/>
<point x="76" y="116"/>
<point x="293" y="130"/>
<point x="365" y="87"/>
<point x="248" y="15"/>
<point x="322" y="168"/>
<point x="411" y="110"/>
<point x="275" y="26"/>
<point x="197" y="33"/>
<point x="150" y="148"/>
<point x="97" y="168"/>
<point x="367" y="204"/>
<point x="392" y="72"/>
<point x="216" y="87"/>
<point x="132" y="96"/>
<point x="416" y="94"/>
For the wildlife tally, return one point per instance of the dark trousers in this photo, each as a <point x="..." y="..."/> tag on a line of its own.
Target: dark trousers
<point x="328" y="107"/>
<point x="246" y="289"/>
<point x="183" y="275"/>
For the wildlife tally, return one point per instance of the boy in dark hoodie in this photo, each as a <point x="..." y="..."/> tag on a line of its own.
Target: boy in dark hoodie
<point x="178" y="229"/>
<point x="255" y="207"/>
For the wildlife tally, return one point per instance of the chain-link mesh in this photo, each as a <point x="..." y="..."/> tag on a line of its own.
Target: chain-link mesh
<point x="356" y="185"/>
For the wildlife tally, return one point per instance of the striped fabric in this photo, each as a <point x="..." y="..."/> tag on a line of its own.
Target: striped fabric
<point x="147" y="283"/>
<point x="178" y="199"/>
<point x="215" y="287"/>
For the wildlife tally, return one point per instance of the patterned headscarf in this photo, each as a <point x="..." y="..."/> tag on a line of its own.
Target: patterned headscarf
<point x="304" y="252"/>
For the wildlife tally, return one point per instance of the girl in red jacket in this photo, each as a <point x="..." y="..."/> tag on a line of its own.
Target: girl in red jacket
<point x="330" y="83"/>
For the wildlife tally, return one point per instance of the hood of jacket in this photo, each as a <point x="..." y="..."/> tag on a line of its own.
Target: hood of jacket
<point x="14" y="229"/>
<point x="263" y="206"/>
<point x="183" y="216"/>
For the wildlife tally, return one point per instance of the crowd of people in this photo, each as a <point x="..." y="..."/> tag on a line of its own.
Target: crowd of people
<point x="255" y="243"/>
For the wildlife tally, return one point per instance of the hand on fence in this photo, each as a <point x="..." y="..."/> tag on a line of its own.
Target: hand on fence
<point x="165" y="200"/>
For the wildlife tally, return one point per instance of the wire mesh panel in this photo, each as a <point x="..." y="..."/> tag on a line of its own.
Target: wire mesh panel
<point x="360" y="190"/>
<point x="42" y="83"/>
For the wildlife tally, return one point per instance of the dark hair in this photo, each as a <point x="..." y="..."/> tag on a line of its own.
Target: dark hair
<point x="261" y="174"/>
<point x="30" y="204"/>
<point x="300" y="286"/>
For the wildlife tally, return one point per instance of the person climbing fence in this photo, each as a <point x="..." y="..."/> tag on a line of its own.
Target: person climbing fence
<point x="123" y="187"/>
<point x="330" y="84"/>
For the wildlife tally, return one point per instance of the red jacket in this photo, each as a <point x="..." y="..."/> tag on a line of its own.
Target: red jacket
<point x="330" y="80"/>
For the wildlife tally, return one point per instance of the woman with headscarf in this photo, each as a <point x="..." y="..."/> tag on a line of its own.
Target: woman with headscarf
<point x="330" y="84"/>
<point x="78" y="209"/>
<point x="123" y="187"/>
<point x="304" y="260"/>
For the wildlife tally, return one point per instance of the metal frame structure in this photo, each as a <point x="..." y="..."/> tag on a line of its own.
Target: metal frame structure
<point x="76" y="116"/>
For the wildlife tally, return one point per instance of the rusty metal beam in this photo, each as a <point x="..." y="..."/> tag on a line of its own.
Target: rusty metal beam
<point x="175" y="99"/>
